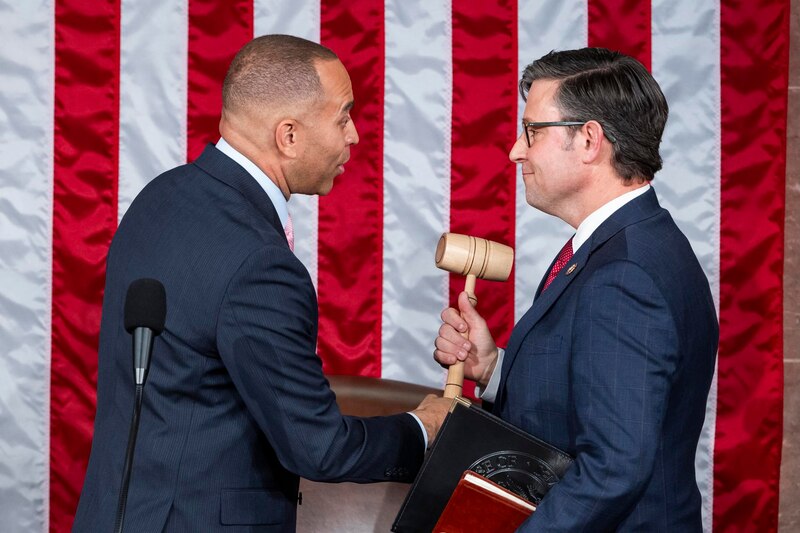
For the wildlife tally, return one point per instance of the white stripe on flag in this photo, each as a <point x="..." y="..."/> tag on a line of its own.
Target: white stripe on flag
<point x="302" y="19"/>
<point x="686" y="62"/>
<point x="26" y="203"/>
<point x="542" y="26"/>
<point x="416" y="169"/>
<point x="152" y="114"/>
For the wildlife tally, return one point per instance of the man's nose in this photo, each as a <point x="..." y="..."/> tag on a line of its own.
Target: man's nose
<point x="352" y="135"/>
<point x="517" y="153"/>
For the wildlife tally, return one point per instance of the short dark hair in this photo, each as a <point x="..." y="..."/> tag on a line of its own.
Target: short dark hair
<point x="274" y="70"/>
<point x="615" y="90"/>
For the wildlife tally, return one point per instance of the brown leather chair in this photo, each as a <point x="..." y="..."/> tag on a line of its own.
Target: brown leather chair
<point x="352" y="507"/>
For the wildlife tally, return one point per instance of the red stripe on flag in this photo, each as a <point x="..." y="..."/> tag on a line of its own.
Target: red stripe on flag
<point x="85" y="172"/>
<point x="350" y="283"/>
<point x="622" y="25"/>
<point x="483" y="180"/>
<point x="217" y="30"/>
<point x="754" y="49"/>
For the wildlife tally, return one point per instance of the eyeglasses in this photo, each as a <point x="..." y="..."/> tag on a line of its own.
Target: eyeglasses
<point x="530" y="128"/>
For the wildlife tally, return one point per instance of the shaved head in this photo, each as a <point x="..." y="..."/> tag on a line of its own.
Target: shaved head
<point x="274" y="71"/>
<point x="286" y="107"/>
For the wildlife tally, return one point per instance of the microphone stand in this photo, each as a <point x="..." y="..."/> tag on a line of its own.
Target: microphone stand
<point x="145" y="336"/>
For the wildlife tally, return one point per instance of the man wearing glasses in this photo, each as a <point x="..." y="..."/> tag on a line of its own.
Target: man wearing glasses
<point x="613" y="361"/>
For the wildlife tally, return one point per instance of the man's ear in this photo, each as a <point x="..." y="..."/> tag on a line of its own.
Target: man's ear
<point x="287" y="137"/>
<point x="591" y="141"/>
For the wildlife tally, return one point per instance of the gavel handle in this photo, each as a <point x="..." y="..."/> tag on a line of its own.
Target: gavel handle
<point x="455" y="372"/>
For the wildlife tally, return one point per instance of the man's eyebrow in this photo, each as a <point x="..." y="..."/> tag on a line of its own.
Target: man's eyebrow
<point x="348" y="106"/>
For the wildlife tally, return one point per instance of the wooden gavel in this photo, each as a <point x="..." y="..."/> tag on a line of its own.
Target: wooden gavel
<point x="475" y="258"/>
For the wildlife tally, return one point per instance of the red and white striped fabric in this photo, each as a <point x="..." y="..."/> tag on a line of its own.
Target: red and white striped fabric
<point x="100" y="96"/>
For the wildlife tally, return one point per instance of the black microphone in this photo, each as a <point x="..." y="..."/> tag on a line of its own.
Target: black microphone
<point x="145" y="314"/>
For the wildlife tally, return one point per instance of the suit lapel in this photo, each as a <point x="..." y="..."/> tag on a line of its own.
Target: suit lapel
<point x="638" y="209"/>
<point x="544" y="301"/>
<point x="229" y="172"/>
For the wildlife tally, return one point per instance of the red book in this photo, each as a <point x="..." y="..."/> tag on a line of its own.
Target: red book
<point x="478" y="504"/>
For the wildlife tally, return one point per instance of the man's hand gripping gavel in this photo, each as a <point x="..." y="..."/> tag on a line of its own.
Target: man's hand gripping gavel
<point x="475" y="258"/>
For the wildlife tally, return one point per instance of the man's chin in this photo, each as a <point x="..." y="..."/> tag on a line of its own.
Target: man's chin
<point x="325" y="188"/>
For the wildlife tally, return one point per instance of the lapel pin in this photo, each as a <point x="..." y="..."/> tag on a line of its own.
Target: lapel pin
<point x="572" y="268"/>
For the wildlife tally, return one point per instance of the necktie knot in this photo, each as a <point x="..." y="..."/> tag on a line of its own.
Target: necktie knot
<point x="289" y="231"/>
<point x="561" y="261"/>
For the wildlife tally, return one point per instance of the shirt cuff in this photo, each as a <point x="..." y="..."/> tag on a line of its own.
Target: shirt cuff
<point x="490" y="392"/>
<point x="422" y="427"/>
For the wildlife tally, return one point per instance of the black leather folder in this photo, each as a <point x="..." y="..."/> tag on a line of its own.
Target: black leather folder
<point x="474" y="439"/>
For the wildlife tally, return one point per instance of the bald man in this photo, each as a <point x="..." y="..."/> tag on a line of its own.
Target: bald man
<point x="236" y="406"/>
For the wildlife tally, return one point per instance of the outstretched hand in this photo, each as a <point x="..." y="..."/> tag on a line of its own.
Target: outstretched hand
<point x="431" y="412"/>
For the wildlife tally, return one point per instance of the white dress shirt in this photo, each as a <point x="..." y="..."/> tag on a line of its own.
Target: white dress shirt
<point x="272" y="190"/>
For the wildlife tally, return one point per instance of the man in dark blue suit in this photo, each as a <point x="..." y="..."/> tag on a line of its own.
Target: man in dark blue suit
<point x="236" y="406"/>
<point x="613" y="361"/>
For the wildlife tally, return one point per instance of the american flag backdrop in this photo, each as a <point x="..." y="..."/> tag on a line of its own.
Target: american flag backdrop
<point x="99" y="96"/>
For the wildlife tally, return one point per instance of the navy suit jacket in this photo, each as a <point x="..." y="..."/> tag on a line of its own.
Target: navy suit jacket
<point x="236" y="406"/>
<point x="613" y="363"/>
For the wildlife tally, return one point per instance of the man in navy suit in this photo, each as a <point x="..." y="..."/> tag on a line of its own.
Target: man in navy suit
<point x="613" y="361"/>
<point x="236" y="406"/>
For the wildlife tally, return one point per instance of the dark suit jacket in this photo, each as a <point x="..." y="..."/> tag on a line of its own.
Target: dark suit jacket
<point x="613" y="363"/>
<point x="236" y="406"/>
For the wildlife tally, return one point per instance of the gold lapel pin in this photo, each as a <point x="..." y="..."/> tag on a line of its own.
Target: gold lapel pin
<point x="572" y="268"/>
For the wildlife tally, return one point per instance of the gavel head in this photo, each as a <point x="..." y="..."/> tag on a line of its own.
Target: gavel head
<point x="464" y="254"/>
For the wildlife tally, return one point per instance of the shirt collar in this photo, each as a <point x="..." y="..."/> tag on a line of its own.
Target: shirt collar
<point x="593" y="221"/>
<point x="272" y="190"/>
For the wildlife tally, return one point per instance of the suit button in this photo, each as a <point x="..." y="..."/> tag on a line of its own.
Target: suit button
<point x="396" y="472"/>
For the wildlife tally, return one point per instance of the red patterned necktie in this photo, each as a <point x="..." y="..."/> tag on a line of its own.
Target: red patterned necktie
<point x="289" y="231"/>
<point x="563" y="258"/>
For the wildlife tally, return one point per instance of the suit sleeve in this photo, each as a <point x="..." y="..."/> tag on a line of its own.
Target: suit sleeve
<point x="266" y="336"/>
<point x="622" y="365"/>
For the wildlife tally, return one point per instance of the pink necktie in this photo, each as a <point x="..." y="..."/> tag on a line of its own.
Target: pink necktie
<point x="563" y="257"/>
<point x="289" y="231"/>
